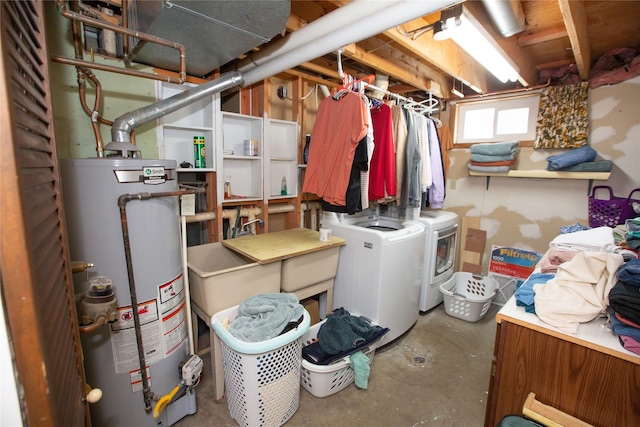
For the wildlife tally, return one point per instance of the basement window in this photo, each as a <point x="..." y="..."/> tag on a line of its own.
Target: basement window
<point x="496" y="120"/>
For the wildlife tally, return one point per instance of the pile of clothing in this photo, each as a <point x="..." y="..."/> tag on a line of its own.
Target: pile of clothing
<point x="632" y="236"/>
<point x="266" y="316"/>
<point x="575" y="277"/>
<point x="494" y="156"/>
<point x="343" y="335"/>
<point x="624" y="311"/>
<point x="582" y="159"/>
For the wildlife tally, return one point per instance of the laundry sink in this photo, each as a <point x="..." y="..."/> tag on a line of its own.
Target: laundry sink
<point x="220" y="278"/>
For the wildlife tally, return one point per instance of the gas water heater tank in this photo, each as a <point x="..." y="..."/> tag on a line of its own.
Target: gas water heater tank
<point x="91" y="188"/>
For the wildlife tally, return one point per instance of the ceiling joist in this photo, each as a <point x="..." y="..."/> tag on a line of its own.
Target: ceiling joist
<point x="575" y="19"/>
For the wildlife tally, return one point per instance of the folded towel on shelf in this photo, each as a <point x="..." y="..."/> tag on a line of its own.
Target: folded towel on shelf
<point x="490" y="158"/>
<point x="488" y="168"/>
<point x="265" y="316"/>
<point x="496" y="163"/>
<point x="595" y="166"/>
<point x="496" y="148"/>
<point x="571" y="157"/>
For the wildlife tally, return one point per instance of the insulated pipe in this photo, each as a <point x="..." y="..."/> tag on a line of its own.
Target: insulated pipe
<point x="325" y="41"/>
<point x="329" y="41"/>
<point x="344" y="16"/>
<point x="280" y="208"/>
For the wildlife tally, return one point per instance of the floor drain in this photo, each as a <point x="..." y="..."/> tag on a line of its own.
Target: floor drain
<point x="419" y="359"/>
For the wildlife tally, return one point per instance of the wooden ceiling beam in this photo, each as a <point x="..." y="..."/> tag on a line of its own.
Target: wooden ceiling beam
<point x="529" y="38"/>
<point x="398" y="66"/>
<point x="575" y="19"/>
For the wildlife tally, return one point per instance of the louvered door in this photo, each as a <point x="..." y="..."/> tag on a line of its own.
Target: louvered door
<point x="36" y="276"/>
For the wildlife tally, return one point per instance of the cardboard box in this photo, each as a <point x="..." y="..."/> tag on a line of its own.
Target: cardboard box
<point x="313" y="308"/>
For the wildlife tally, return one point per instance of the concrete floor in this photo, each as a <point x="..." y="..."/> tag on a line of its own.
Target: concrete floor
<point x="449" y="389"/>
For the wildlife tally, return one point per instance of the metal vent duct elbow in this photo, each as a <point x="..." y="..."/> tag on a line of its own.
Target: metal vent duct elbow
<point x="507" y="16"/>
<point x="213" y="32"/>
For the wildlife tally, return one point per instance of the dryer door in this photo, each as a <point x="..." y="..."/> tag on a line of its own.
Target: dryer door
<point x="445" y="252"/>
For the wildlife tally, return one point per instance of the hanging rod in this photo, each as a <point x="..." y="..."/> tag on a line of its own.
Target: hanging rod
<point x="427" y="106"/>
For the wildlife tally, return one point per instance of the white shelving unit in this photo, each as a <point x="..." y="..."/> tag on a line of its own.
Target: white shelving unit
<point x="281" y="158"/>
<point x="244" y="172"/>
<point x="179" y="128"/>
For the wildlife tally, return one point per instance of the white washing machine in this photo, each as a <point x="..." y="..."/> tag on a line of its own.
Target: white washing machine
<point x="379" y="269"/>
<point x="441" y="230"/>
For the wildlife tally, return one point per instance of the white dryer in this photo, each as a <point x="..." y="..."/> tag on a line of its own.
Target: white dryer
<point x="379" y="269"/>
<point x="441" y="230"/>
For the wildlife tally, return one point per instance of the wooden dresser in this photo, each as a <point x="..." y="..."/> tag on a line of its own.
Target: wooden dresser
<point x="589" y="376"/>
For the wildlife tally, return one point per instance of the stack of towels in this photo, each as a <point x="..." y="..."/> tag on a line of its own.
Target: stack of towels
<point x="624" y="301"/>
<point x="494" y="156"/>
<point x="581" y="159"/>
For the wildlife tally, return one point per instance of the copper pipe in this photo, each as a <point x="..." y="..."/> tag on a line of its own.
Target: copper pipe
<point x="501" y="92"/>
<point x="125" y="24"/>
<point x="100" y="322"/>
<point x="103" y="67"/>
<point x="76" y="30"/>
<point x="93" y="114"/>
<point x="79" y="266"/>
<point x="76" y="17"/>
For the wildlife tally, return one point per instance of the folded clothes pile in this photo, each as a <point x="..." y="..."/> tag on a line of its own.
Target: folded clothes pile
<point x="624" y="300"/>
<point x="494" y="156"/>
<point x="581" y="159"/>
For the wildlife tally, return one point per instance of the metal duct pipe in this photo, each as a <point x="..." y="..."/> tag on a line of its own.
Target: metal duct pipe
<point x="507" y="16"/>
<point x="329" y="41"/>
<point x="306" y="49"/>
<point x="354" y="10"/>
<point x="125" y="124"/>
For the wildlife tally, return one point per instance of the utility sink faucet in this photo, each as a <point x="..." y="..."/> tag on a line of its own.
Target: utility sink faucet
<point x="244" y="230"/>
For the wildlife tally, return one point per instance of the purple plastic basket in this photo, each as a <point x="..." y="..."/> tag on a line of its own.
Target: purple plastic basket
<point x="612" y="211"/>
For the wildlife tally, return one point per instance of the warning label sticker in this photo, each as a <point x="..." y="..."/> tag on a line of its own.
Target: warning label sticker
<point x="163" y="328"/>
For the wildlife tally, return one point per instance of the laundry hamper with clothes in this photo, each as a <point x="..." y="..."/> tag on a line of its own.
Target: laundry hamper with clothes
<point x="468" y="296"/>
<point x="325" y="380"/>
<point x="262" y="379"/>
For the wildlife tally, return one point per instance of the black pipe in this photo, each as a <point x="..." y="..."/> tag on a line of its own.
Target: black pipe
<point x="122" y="204"/>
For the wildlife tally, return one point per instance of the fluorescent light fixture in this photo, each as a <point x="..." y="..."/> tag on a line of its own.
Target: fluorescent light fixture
<point x="457" y="93"/>
<point x="467" y="33"/>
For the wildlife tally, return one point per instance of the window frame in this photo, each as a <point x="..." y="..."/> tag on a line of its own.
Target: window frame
<point x="458" y="110"/>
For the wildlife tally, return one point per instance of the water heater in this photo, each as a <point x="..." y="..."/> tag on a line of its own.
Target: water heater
<point x="91" y="189"/>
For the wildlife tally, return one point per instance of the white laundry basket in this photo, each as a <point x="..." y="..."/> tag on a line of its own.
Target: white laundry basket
<point x="262" y="379"/>
<point x="325" y="380"/>
<point x="468" y="296"/>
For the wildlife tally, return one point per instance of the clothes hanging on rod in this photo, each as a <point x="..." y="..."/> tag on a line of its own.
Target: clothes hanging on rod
<point x="382" y="174"/>
<point x="368" y="150"/>
<point x="436" y="192"/>
<point x="426" y="178"/>
<point x="339" y="127"/>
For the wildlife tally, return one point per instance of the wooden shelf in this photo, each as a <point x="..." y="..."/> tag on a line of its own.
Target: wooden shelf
<point x="542" y="173"/>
